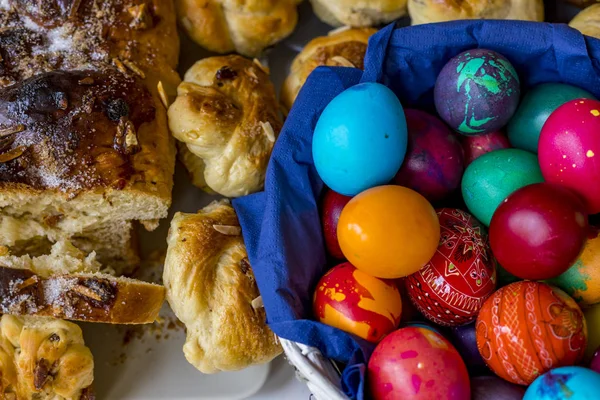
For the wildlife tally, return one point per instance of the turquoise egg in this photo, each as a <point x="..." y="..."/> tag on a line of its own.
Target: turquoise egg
<point x="360" y="139"/>
<point x="525" y="126"/>
<point x="494" y="176"/>
<point x="565" y="383"/>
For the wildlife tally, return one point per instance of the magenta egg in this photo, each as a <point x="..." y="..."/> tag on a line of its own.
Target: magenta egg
<point x="539" y="231"/>
<point x="476" y="146"/>
<point x="417" y="363"/>
<point x="569" y="148"/>
<point x="433" y="165"/>
<point x="331" y="208"/>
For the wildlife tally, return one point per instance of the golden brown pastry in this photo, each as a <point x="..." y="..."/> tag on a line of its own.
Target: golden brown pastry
<point x="226" y="112"/>
<point x="247" y="27"/>
<point x="428" y="11"/>
<point x="358" y="13"/>
<point x="211" y="288"/>
<point x="43" y="358"/>
<point x="345" y="48"/>
<point x="588" y="21"/>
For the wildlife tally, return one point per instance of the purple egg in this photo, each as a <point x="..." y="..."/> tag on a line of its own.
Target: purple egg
<point x="494" y="388"/>
<point x="477" y="92"/>
<point x="595" y="363"/>
<point x="464" y="339"/>
<point x="433" y="165"/>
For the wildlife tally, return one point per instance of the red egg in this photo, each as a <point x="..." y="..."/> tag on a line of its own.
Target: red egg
<point x="476" y="146"/>
<point x="433" y="165"/>
<point x="353" y="301"/>
<point x="417" y="363"/>
<point x="569" y="148"/>
<point x="528" y="328"/>
<point x="539" y="231"/>
<point x="453" y="285"/>
<point x="331" y="208"/>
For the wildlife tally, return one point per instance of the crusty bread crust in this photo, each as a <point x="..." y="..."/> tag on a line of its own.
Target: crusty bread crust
<point x="358" y="13"/>
<point x="80" y="297"/>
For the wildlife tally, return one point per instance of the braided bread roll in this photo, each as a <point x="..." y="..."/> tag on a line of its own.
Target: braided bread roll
<point x="588" y="21"/>
<point x="358" y="13"/>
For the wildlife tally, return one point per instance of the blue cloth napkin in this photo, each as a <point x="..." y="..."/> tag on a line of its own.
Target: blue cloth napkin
<point x="281" y="225"/>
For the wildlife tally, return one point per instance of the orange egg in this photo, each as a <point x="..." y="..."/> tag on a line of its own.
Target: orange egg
<point x="389" y="231"/>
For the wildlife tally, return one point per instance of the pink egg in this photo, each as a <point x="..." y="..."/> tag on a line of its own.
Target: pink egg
<point x="417" y="363"/>
<point x="476" y="146"/>
<point x="569" y="148"/>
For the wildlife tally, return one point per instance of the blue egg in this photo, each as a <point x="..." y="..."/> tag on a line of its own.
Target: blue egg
<point x="565" y="383"/>
<point x="360" y="139"/>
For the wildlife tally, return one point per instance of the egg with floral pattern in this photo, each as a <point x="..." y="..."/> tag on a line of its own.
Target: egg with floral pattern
<point x="453" y="285"/>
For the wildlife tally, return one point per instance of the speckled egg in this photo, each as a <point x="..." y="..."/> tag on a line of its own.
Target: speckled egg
<point x="568" y="149"/>
<point x="417" y="363"/>
<point x="526" y="125"/>
<point x="494" y="176"/>
<point x="528" y="328"/>
<point x="460" y="276"/>
<point x="565" y="383"/>
<point x="582" y="280"/>
<point x="433" y="165"/>
<point x="477" y="92"/>
<point x="358" y="303"/>
<point x="476" y="146"/>
<point x="360" y="139"/>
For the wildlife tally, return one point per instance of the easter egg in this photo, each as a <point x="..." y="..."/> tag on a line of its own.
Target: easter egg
<point x="494" y="176"/>
<point x="539" y="231"/>
<point x="526" y="125"/>
<point x="360" y="139"/>
<point x="476" y="146"/>
<point x="331" y="208"/>
<point x="433" y="165"/>
<point x="388" y="231"/>
<point x="565" y="383"/>
<point x="417" y="363"/>
<point x="582" y="280"/>
<point x="477" y="92"/>
<point x="494" y="388"/>
<point x="464" y="339"/>
<point x="528" y="328"/>
<point x="595" y="363"/>
<point x="592" y="317"/>
<point x="358" y="303"/>
<point x="568" y="147"/>
<point x="453" y="285"/>
<point x="424" y="325"/>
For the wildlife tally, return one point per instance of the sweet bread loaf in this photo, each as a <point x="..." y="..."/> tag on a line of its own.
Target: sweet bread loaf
<point x="428" y="11"/>
<point x="358" y="13"/>
<point x="43" y="358"/>
<point x="227" y="114"/>
<point x="246" y="27"/>
<point x="211" y="288"/>
<point x="345" y="48"/>
<point x="588" y="21"/>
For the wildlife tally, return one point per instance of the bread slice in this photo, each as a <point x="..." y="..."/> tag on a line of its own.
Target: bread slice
<point x="70" y="285"/>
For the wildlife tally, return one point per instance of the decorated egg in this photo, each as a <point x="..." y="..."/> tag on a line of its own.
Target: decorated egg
<point x="360" y="139"/>
<point x="526" y="125"/>
<point x="388" y="231"/>
<point x="494" y="176"/>
<point x="582" y="280"/>
<point x="592" y="317"/>
<point x="476" y="146"/>
<point x="331" y="208"/>
<point x="465" y="341"/>
<point x="358" y="303"/>
<point x="539" y="231"/>
<point x="568" y="147"/>
<point x="565" y="383"/>
<point x="528" y="328"/>
<point x="477" y="92"/>
<point x="453" y="285"/>
<point x="417" y="363"/>
<point x="595" y="363"/>
<point x="433" y="165"/>
<point x="494" y="388"/>
<point x="425" y="325"/>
